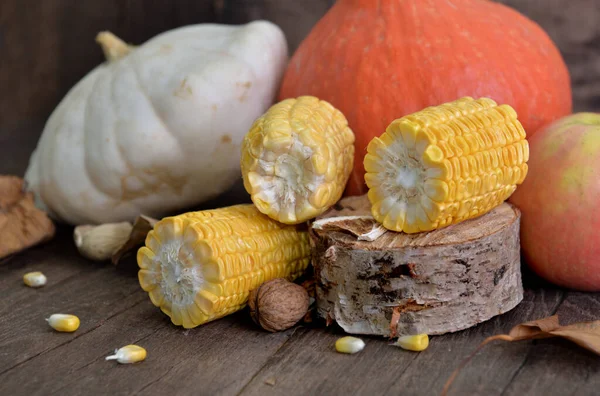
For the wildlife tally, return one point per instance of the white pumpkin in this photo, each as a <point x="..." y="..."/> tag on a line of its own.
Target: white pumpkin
<point x="157" y="128"/>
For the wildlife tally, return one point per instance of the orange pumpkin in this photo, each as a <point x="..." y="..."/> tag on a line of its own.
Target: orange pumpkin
<point x="377" y="60"/>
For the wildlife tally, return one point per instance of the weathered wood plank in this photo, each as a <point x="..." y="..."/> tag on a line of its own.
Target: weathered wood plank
<point x="573" y="26"/>
<point x="495" y="366"/>
<point x="556" y="366"/>
<point x="218" y="358"/>
<point x="221" y="356"/>
<point x="47" y="46"/>
<point x="94" y="294"/>
<point x="296" y="18"/>
<point x="308" y="364"/>
<point x="17" y="142"/>
<point x="232" y="355"/>
<point x="57" y="259"/>
<point x="56" y="369"/>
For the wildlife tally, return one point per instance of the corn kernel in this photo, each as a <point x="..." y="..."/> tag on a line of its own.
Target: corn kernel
<point x="63" y="322"/>
<point x="416" y="343"/>
<point x="34" y="279"/>
<point x="128" y="354"/>
<point x="349" y="345"/>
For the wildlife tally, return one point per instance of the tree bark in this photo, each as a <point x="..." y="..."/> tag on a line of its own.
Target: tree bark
<point x="436" y="282"/>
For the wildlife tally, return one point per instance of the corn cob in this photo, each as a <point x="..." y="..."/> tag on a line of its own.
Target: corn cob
<point x="445" y="164"/>
<point x="297" y="158"/>
<point x="201" y="266"/>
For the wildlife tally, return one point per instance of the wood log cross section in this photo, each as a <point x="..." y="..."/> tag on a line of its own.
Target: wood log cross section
<point x="373" y="281"/>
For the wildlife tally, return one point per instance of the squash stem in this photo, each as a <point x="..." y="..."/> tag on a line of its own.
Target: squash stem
<point x="113" y="47"/>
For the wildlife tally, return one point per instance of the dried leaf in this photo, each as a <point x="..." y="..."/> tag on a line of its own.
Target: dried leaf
<point x="584" y="334"/>
<point x="328" y="320"/>
<point x="364" y="228"/>
<point x="22" y="224"/>
<point x="309" y="285"/>
<point x="394" y="322"/>
<point x="141" y="228"/>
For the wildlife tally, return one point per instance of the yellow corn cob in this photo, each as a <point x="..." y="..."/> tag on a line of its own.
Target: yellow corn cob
<point x="297" y="158"/>
<point x="445" y="164"/>
<point x="201" y="266"/>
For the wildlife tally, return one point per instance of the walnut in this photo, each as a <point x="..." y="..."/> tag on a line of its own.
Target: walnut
<point x="278" y="304"/>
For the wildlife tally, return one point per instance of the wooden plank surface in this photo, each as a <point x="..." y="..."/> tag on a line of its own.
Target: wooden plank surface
<point x="233" y="356"/>
<point x="48" y="46"/>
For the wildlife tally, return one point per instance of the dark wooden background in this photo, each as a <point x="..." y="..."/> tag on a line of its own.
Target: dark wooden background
<point x="46" y="46"/>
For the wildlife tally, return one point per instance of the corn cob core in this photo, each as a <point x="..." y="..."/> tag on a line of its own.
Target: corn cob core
<point x="445" y="164"/>
<point x="297" y="158"/>
<point x="200" y="266"/>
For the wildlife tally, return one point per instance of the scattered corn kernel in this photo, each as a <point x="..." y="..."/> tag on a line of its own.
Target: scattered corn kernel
<point x="34" y="279"/>
<point x="63" y="322"/>
<point x="349" y="344"/>
<point x="416" y="343"/>
<point x="128" y="354"/>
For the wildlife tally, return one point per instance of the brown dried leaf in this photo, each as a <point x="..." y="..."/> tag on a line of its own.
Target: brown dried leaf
<point x="328" y="320"/>
<point x="364" y="228"/>
<point x="394" y="322"/>
<point x="22" y="224"/>
<point x="141" y="228"/>
<point x="584" y="334"/>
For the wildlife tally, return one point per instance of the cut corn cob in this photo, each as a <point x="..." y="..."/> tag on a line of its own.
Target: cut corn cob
<point x="297" y="158"/>
<point x="201" y="266"/>
<point x="445" y="164"/>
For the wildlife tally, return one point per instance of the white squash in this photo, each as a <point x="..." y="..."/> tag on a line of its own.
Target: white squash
<point x="158" y="127"/>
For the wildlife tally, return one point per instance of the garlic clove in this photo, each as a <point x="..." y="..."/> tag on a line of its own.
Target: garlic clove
<point x="98" y="243"/>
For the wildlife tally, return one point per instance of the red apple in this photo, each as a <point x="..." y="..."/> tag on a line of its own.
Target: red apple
<point x="560" y="203"/>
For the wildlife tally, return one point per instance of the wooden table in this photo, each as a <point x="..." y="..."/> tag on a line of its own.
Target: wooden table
<point x="51" y="47"/>
<point x="232" y="356"/>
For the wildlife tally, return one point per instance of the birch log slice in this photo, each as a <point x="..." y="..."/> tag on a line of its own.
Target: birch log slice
<point x="434" y="283"/>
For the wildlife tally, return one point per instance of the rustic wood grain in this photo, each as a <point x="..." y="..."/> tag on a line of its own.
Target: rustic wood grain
<point x="296" y="18"/>
<point x="47" y="46"/>
<point x="308" y="363"/>
<point x="480" y="227"/>
<point x="234" y="356"/>
<point x="91" y="294"/>
<point x="221" y="356"/>
<point x="216" y="359"/>
<point x="442" y="281"/>
<point x="573" y="26"/>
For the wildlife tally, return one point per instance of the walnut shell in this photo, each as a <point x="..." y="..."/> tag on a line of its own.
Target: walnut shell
<point x="278" y="304"/>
